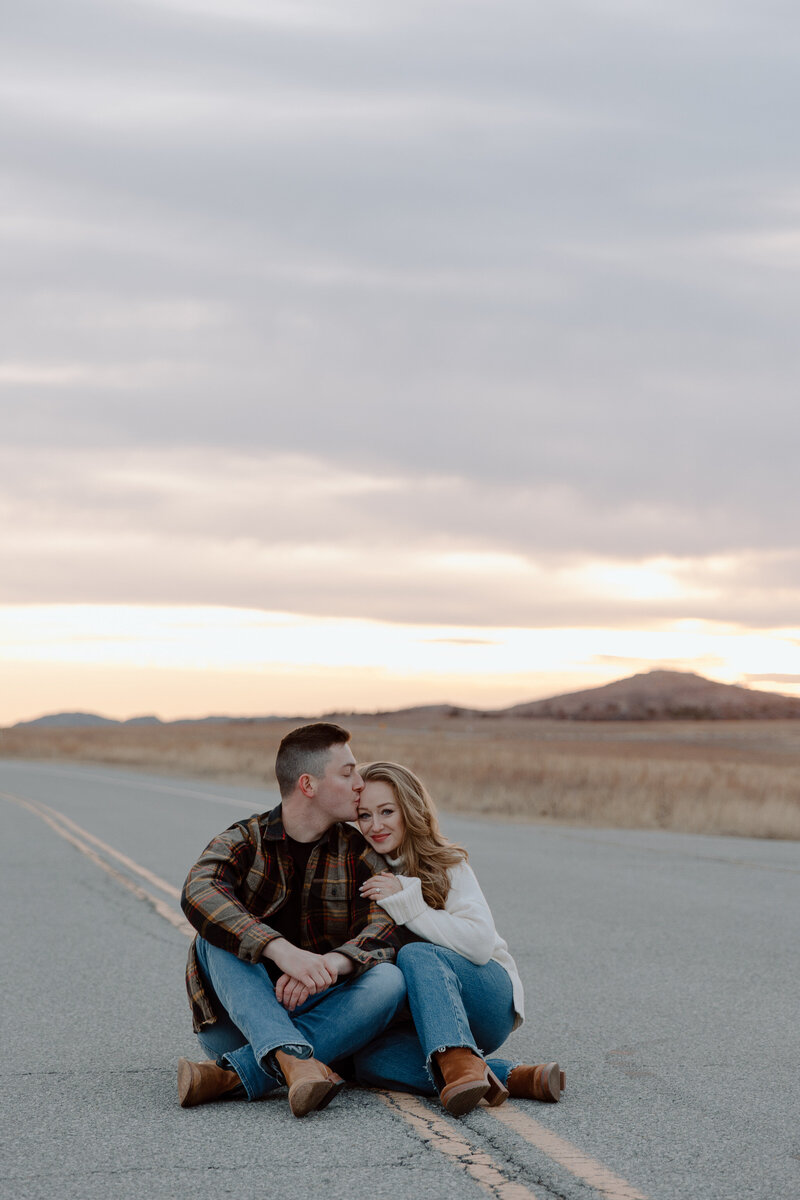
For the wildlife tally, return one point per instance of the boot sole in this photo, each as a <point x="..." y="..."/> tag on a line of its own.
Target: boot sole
<point x="464" y="1097"/>
<point x="553" y="1084"/>
<point x="310" y="1094"/>
<point x="186" y="1081"/>
<point x="337" y="1084"/>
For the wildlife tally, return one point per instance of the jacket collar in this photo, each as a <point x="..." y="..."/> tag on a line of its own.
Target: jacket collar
<point x="275" y="832"/>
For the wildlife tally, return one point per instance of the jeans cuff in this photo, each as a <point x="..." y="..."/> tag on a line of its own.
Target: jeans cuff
<point x="269" y="1064"/>
<point x="432" y="1068"/>
<point x="241" y="1061"/>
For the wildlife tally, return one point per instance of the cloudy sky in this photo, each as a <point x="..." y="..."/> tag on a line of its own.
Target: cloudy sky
<point x="356" y="355"/>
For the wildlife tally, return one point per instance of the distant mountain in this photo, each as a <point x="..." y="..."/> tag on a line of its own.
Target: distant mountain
<point x="70" y="720"/>
<point x="652" y="696"/>
<point x="217" y="720"/>
<point x="79" y="720"/>
<point x="420" y="712"/>
<point x="661" y="695"/>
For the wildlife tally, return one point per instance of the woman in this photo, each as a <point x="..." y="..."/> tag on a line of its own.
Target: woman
<point x="464" y="990"/>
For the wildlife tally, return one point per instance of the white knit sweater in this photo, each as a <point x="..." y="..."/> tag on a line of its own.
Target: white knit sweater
<point x="465" y="924"/>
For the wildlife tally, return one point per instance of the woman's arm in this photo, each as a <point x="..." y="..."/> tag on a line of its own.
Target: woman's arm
<point x="464" y="925"/>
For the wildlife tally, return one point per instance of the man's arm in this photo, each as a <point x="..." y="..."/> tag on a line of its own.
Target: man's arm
<point x="370" y="937"/>
<point x="310" y="970"/>
<point x="376" y="941"/>
<point x="291" y="991"/>
<point x="210" y="899"/>
<point x="211" y="904"/>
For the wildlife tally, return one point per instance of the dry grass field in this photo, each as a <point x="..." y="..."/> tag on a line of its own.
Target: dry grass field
<point x="726" y="777"/>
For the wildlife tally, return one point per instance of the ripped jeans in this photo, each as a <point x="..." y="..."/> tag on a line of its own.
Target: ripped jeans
<point x="330" y="1025"/>
<point x="453" y="1003"/>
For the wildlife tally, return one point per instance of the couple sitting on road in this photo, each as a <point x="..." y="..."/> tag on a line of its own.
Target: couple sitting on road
<point x="312" y="948"/>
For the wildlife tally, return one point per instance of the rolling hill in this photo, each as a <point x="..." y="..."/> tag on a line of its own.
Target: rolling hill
<point x="661" y="695"/>
<point x="652" y="696"/>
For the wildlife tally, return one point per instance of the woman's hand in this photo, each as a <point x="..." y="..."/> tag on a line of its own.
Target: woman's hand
<point x="381" y="885"/>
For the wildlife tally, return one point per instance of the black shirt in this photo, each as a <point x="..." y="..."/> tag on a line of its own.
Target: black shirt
<point x="287" y="920"/>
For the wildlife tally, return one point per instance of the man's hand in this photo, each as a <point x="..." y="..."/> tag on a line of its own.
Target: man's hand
<point x="340" y="964"/>
<point x="291" y="993"/>
<point x="305" y="967"/>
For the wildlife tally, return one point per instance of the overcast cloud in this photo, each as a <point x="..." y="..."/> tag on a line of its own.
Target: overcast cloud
<point x="517" y="282"/>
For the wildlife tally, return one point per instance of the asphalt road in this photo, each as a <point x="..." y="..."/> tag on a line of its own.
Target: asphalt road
<point x="661" y="970"/>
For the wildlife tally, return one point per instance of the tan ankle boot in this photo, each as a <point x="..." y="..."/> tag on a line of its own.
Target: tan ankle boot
<point x="311" y="1084"/>
<point x="541" y="1081"/>
<point x="200" y="1082"/>
<point x="467" y="1080"/>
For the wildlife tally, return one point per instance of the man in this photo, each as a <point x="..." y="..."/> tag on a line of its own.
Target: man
<point x="292" y="968"/>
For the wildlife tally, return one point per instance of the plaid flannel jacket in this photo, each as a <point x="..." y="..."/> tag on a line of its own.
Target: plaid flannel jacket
<point x="244" y="875"/>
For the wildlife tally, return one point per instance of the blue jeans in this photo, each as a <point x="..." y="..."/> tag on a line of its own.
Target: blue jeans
<point x="453" y="1003"/>
<point x="331" y="1025"/>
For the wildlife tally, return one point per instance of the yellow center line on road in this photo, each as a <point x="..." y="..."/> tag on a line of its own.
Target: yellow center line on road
<point x="436" y="1132"/>
<point x="433" y="1129"/>
<point x="163" y="909"/>
<point x="563" y="1152"/>
<point x="95" y="841"/>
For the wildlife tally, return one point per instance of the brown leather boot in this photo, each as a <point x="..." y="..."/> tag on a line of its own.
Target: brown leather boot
<point x="467" y="1080"/>
<point x="540" y="1081"/>
<point x="200" y="1082"/>
<point x="311" y="1084"/>
<point x="336" y="1081"/>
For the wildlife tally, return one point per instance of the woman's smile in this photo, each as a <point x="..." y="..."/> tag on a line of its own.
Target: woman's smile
<point x="379" y="817"/>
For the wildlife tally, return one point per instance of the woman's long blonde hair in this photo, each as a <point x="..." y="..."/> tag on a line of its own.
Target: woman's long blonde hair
<point x="426" y="852"/>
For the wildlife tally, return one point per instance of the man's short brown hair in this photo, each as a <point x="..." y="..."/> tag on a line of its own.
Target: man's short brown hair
<point x="305" y="751"/>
